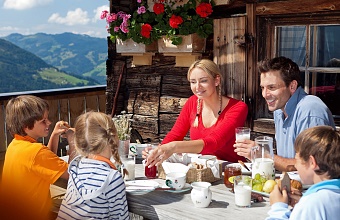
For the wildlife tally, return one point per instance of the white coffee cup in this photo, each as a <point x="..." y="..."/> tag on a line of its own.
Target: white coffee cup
<point x="176" y="180"/>
<point x="137" y="149"/>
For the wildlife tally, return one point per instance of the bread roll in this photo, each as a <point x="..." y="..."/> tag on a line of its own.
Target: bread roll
<point x="296" y="184"/>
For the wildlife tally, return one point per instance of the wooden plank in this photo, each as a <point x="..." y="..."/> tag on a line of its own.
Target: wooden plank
<point x="147" y="103"/>
<point x="102" y="102"/>
<point x="92" y="103"/>
<point x="77" y="107"/>
<point x="53" y="117"/>
<point x="166" y="122"/>
<point x="297" y="7"/>
<point x="264" y="125"/>
<point x="64" y="110"/>
<point x="251" y="85"/>
<point x="229" y="54"/>
<point x="171" y="104"/>
<point x="147" y="126"/>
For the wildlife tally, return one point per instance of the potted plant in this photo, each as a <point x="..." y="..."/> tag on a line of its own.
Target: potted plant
<point x="132" y="32"/>
<point x="175" y="21"/>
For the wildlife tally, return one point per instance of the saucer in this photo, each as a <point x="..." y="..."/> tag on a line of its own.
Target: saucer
<point x="140" y="187"/>
<point x="186" y="187"/>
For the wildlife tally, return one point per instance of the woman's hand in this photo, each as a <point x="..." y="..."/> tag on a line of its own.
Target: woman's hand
<point x="243" y="148"/>
<point x="159" y="154"/>
<point x="277" y="196"/>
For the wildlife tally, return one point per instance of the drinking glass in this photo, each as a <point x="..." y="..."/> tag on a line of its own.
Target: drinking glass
<point x="242" y="189"/>
<point x="231" y="170"/>
<point x="242" y="133"/>
<point x="151" y="172"/>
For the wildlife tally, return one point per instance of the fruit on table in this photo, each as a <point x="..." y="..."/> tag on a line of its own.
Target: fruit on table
<point x="261" y="184"/>
<point x="269" y="186"/>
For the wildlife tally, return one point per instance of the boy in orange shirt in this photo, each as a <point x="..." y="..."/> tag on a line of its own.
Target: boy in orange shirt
<point x="30" y="167"/>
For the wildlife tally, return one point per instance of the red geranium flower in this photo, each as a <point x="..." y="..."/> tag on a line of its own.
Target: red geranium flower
<point x="204" y="10"/>
<point x="146" y="29"/>
<point x="158" y="8"/>
<point x="175" y="21"/>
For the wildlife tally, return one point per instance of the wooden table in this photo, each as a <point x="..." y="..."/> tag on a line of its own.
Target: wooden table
<point x="168" y="205"/>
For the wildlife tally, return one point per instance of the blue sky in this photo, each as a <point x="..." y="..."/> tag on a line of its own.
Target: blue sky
<point x="53" y="17"/>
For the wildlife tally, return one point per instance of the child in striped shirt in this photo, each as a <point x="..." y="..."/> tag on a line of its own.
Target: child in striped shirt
<point x="95" y="188"/>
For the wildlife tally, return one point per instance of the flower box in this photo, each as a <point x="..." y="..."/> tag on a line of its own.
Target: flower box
<point x="168" y="2"/>
<point x="186" y="53"/>
<point x="223" y="2"/>
<point x="191" y="44"/>
<point x="141" y="53"/>
<point x="130" y="47"/>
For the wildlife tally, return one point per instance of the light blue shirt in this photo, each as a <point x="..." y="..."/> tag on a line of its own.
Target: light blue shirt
<point x="321" y="201"/>
<point x="304" y="111"/>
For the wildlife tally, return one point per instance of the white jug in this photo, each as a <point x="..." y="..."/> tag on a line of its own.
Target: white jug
<point x="201" y="194"/>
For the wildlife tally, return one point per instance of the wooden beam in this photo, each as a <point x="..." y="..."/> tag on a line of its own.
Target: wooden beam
<point x="297" y="7"/>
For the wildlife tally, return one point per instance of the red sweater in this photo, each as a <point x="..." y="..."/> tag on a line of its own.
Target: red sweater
<point x="219" y="138"/>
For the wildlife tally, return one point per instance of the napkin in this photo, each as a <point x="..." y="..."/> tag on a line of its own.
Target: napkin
<point x="174" y="167"/>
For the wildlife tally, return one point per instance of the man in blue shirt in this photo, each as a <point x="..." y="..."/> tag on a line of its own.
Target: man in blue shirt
<point x="294" y="110"/>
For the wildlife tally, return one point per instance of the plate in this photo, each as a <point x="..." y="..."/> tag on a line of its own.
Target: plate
<point x="140" y="187"/>
<point x="186" y="187"/>
<point x="261" y="193"/>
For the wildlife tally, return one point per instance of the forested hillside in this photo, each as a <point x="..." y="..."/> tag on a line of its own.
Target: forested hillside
<point x="73" y="53"/>
<point x="21" y="70"/>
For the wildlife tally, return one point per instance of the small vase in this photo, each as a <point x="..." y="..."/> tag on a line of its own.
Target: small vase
<point x="123" y="147"/>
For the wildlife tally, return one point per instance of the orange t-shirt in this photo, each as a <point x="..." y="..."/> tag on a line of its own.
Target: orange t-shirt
<point x="28" y="171"/>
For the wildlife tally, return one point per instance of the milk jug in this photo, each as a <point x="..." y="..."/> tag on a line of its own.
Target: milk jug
<point x="201" y="194"/>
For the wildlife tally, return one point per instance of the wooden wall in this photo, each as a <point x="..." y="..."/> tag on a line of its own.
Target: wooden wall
<point x="154" y="95"/>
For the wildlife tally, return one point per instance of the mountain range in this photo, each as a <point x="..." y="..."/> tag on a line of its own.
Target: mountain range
<point x="22" y="70"/>
<point x="76" y="54"/>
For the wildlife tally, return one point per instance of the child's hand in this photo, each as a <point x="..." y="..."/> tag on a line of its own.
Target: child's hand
<point x="294" y="197"/>
<point x="277" y="196"/>
<point x="61" y="127"/>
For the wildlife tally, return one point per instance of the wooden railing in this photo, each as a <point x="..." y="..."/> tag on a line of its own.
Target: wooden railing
<point x="65" y="104"/>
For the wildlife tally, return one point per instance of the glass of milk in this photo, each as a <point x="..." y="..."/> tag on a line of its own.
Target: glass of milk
<point x="242" y="189"/>
<point x="129" y="162"/>
<point x="262" y="157"/>
<point x="242" y="133"/>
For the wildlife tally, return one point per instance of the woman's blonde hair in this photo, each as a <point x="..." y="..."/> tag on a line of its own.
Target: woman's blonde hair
<point x="212" y="69"/>
<point x="23" y="111"/>
<point x="94" y="131"/>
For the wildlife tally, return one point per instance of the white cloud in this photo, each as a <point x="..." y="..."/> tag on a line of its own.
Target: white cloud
<point x="24" y="4"/>
<point x="75" y="17"/>
<point x="98" y="11"/>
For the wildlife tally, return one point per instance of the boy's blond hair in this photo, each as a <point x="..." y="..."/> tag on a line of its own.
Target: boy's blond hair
<point x="23" y="111"/>
<point x="323" y="143"/>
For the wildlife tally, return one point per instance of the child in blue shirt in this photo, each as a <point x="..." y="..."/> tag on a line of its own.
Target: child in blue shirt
<point x="318" y="163"/>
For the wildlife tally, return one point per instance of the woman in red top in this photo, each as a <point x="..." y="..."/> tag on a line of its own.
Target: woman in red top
<point x="210" y="117"/>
